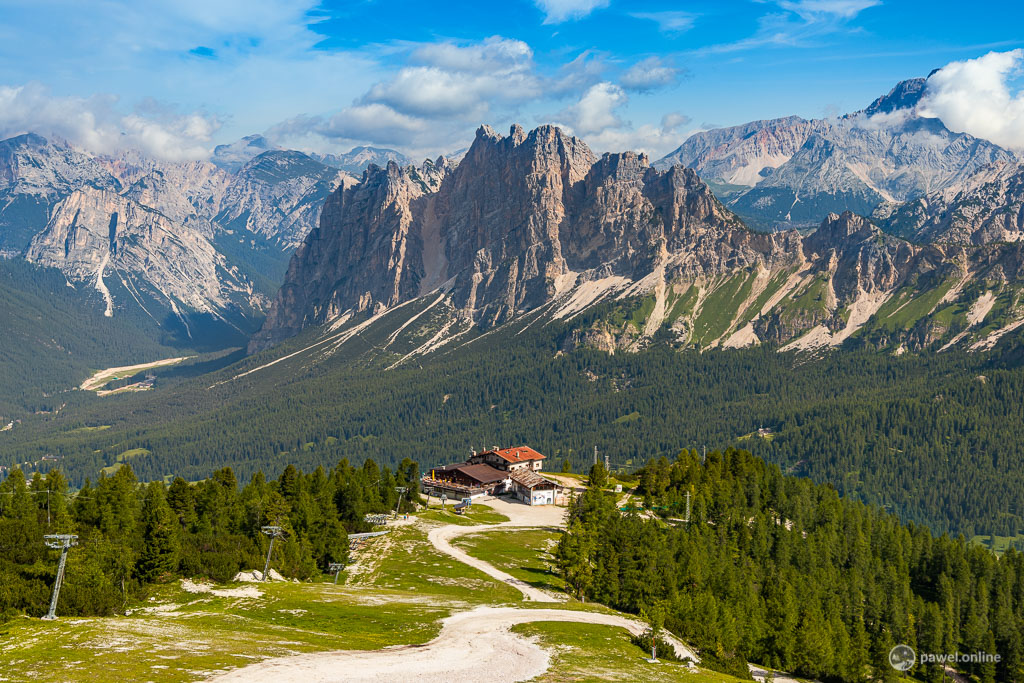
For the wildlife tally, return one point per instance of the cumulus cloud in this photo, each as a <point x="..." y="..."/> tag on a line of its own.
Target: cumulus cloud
<point x="801" y="23"/>
<point x="974" y="96"/>
<point x="597" y="118"/>
<point x="460" y="80"/>
<point x="672" y="22"/>
<point x="595" y="111"/>
<point x="558" y="11"/>
<point x="651" y="139"/>
<point x="96" y="124"/>
<point x="649" y="74"/>
<point x="442" y="92"/>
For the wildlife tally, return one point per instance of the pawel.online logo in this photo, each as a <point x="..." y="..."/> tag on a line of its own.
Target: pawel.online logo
<point x="902" y="657"/>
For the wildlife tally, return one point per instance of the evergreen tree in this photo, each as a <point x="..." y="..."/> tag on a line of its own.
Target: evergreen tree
<point x="160" y="528"/>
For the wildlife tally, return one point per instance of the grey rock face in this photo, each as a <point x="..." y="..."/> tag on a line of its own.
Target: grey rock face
<point x="274" y="197"/>
<point x="987" y="208"/>
<point x="793" y="173"/>
<point x="358" y="159"/>
<point x="102" y="237"/>
<point x="520" y="220"/>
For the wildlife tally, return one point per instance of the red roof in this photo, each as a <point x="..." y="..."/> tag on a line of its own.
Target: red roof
<point x="517" y="454"/>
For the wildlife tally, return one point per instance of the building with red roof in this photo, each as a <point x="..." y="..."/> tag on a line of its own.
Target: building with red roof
<point x="510" y="459"/>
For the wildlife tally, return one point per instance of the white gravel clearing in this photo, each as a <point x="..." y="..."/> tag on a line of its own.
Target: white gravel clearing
<point x="473" y="647"/>
<point x="190" y="586"/>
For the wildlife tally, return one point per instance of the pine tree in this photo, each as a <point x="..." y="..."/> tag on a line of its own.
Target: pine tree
<point x="160" y="543"/>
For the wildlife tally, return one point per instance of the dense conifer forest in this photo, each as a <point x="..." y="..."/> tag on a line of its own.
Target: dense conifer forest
<point x="935" y="438"/>
<point x="131" y="535"/>
<point x="781" y="571"/>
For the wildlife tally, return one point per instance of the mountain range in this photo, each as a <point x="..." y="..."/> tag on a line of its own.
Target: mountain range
<point x="189" y="244"/>
<point x="792" y="172"/>
<point x="534" y="226"/>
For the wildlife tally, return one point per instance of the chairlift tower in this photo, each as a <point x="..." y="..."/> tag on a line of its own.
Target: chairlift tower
<point x="274" y="532"/>
<point x="401" y="492"/>
<point x="336" y="567"/>
<point x="61" y="542"/>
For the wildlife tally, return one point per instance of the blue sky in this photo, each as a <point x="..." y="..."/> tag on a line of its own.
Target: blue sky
<point x="175" y="78"/>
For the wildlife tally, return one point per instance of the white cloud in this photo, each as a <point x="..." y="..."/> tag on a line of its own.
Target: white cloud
<point x="262" y="58"/>
<point x="649" y="74"/>
<point x="557" y="11"/>
<point x="653" y="140"/>
<point x="801" y="23"/>
<point x="376" y="122"/>
<point x="95" y="123"/>
<point x="596" y="118"/>
<point x="847" y="9"/>
<point x="974" y="97"/>
<point x="672" y="22"/>
<point x="595" y="111"/>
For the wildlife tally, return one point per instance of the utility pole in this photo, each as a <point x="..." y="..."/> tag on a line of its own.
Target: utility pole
<point x="336" y="567"/>
<point x="274" y="532"/>
<point x="687" y="507"/>
<point x="62" y="542"/>
<point x="401" y="492"/>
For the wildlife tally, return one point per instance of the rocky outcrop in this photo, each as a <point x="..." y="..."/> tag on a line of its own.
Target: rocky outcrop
<point x="107" y="239"/>
<point x="532" y="226"/>
<point x="277" y="195"/>
<point x="987" y="209"/>
<point x="35" y="174"/>
<point x="521" y="220"/>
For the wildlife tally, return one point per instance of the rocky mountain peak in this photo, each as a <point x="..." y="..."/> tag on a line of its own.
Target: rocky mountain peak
<point x="905" y="95"/>
<point x="522" y="220"/>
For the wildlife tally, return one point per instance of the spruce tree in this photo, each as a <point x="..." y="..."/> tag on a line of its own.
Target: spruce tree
<point x="160" y="543"/>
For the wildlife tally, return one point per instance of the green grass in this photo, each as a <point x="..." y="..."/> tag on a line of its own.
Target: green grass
<point x="591" y="652"/>
<point x="813" y="297"/>
<point x="1002" y="543"/>
<point x="84" y="430"/>
<point x="682" y="304"/>
<point x="476" y="514"/>
<point x="638" y="318"/>
<point x="626" y="419"/>
<point x="404" y="562"/>
<point x="523" y="553"/>
<point x="204" y="634"/>
<point x="720" y="306"/>
<point x="904" y="310"/>
<point x="774" y="285"/>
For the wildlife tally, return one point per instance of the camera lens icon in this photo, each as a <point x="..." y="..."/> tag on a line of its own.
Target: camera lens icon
<point x="902" y="657"/>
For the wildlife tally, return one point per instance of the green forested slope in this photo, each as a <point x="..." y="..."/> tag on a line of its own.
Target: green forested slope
<point x="51" y="335"/>
<point x="935" y="438"/>
<point x="779" y="571"/>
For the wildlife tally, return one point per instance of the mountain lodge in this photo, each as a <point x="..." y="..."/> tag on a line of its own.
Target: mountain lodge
<point x="495" y="472"/>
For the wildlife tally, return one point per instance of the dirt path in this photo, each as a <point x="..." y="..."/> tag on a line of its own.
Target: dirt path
<point x="473" y="647"/>
<point x="520" y="516"/>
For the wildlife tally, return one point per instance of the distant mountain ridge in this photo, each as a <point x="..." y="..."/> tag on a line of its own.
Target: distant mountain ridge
<point x="533" y="226"/>
<point x="792" y="172"/>
<point x="176" y="240"/>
